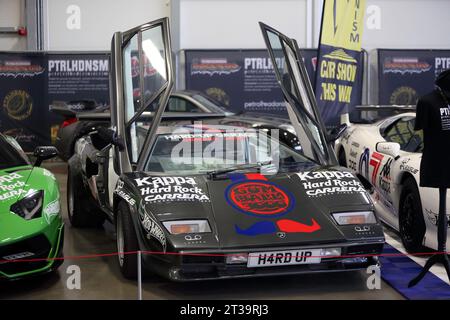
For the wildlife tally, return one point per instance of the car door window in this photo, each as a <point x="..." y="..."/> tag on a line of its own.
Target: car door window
<point x="178" y="104"/>
<point x="402" y="131"/>
<point x="145" y="79"/>
<point x="300" y="101"/>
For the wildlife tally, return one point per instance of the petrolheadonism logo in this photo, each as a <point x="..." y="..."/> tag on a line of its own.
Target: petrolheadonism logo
<point x="260" y="198"/>
<point x="214" y="66"/>
<point x="405" y="65"/>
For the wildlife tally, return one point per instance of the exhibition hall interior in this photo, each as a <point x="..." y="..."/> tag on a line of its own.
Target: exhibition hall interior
<point x="222" y="149"/>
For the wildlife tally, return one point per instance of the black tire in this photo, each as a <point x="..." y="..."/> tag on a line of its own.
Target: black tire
<point x="341" y="158"/>
<point x="126" y="242"/>
<point x="80" y="211"/>
<point x="411" y="220"/>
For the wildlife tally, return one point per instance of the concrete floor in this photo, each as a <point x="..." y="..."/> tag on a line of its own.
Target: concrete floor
<point x="101" y="278"/>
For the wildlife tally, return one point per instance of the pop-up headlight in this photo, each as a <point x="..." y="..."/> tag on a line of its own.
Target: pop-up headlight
<point x="30" y="206"/>
<point x="187" y="226"/>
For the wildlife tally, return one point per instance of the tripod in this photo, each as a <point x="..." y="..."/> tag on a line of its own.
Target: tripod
<point x="441" y="256"/>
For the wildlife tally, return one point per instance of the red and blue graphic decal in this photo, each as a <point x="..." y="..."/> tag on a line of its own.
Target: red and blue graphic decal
<point x="253" y="195"/>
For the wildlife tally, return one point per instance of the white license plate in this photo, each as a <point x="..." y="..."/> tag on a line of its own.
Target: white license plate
<point x="283" y="258"/>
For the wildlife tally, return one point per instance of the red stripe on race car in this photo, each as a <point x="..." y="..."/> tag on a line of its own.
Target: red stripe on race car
<point x="255" y="176"/>
<point x="290" y="226"/>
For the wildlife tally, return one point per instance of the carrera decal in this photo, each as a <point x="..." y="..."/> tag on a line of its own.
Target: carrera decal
<point x="170" y="189"/>
<point x="151" y="226"/>
<point x="375" y="162"/>
<point x="264" y="200"/>
<point x="363" y="166"/>
<point x="326" y="183"/>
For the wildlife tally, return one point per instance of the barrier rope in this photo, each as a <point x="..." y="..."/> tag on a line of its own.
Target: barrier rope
<point x="93" y="256"/>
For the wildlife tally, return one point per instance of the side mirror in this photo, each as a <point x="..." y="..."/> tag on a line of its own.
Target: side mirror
<point x="44" y="153"/>
<point x="110" y="136"/>
<point x="336" y="133"/>
<point x="389" y="148"/>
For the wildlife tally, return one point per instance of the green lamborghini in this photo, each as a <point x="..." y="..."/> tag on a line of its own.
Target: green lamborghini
<point x="31" y="227"/>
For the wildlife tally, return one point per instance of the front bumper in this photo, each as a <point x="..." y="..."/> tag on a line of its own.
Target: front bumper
<point x="41" y="247"/>
<point x="192" y="266"/>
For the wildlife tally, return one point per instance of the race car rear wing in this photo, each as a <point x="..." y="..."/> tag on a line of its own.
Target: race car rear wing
<point x="368" y="114"/>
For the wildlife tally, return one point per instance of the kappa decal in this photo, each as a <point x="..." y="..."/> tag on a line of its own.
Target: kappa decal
<point x="170" y="189"/>
<point x="363" y="166"/>
<point x="326" y="183"/>
<point x="405" y="166"/>
<point x="265" y="200"/>
<point x="384" y="181"/>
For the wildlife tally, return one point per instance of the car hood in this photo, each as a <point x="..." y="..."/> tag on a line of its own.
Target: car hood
<point x="252" y="210"/>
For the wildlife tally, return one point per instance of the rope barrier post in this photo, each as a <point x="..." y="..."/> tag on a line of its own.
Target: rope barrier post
<point x="139" y="275"/>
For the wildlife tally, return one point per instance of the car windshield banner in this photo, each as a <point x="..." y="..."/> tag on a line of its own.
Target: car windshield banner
<point x="241" y="80"/>
<point x="340" y="60"/>
<point x="405" y="75"/>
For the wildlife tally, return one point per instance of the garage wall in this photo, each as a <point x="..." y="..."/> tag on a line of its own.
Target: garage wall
<point x="410" y="24"/>
<point x="12" y="14"/>
<point x="89" y="24"/>
<point x="234" y="23"/>
<point x="403" y="24"/>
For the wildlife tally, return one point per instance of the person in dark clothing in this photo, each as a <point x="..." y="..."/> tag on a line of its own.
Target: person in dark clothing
<point x="433" y="117"/>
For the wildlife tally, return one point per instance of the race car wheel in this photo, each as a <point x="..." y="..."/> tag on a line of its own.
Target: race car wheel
<point x="341" y="158"/>
<point x="412" y="223"/>
<point x="80" y="211"/>
<point x="127" y="242"/>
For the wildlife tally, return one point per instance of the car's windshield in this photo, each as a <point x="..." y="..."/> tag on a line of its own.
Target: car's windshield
<point x="206" y="151"/>
<point x="10" y="156"/>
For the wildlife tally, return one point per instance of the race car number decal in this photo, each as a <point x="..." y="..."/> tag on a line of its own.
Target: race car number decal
<point x="375" y="162"/>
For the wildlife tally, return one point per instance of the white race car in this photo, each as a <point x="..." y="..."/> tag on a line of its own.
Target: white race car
<point x="385" y="152"/>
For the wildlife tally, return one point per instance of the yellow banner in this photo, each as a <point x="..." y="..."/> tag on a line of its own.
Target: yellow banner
<point x="342" y="24"/>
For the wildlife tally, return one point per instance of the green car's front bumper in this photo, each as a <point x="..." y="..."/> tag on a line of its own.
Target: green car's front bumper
<point x="37" y="249"/>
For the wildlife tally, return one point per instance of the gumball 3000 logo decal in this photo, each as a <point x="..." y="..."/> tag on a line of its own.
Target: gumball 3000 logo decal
<point x="267" y="202"/>
<point x="260" y="198"/>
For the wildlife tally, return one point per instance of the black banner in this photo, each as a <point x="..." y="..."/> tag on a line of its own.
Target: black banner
<point x="23" y="104"/>
<point x="31" y="82"/>
<point x="76" y="80"/>
<point x="405" y="75"/>
<point x="242" y="80"/>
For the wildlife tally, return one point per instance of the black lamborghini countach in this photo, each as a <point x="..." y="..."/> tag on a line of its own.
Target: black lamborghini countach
<point x="205" y="200"/>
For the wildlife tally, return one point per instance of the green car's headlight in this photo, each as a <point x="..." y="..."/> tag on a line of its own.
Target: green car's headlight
<point x="30" y="206"/>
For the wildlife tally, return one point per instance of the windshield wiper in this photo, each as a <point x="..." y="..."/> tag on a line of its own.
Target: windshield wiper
<point x="214" y="173"/>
